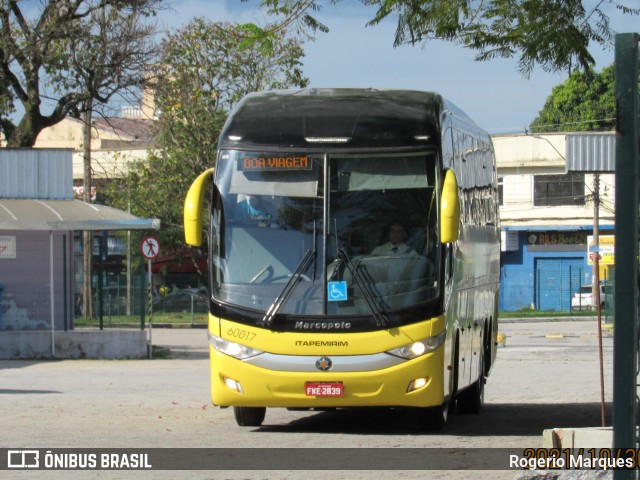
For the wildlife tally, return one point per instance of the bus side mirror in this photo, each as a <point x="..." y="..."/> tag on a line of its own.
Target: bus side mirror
<point x="449" y="209"/>
<point x="193" y="208"/>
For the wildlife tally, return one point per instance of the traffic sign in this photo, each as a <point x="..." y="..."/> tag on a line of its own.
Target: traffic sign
<point x="150" y="247"/>
<point x="605" y="250"/>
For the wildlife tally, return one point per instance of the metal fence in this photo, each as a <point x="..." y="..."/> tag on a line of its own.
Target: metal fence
<point x="117" y="304"/>
<point x="582" y="296"/>
<point x="565" y="287"/>
<point x="28" y="302"/>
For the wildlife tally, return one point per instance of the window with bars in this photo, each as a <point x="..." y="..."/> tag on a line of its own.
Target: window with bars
<point x="558" y="190"/>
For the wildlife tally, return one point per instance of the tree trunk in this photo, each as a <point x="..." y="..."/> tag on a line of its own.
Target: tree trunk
<point x="25" y="134"/>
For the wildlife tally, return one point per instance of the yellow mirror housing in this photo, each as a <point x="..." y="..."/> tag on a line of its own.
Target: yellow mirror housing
<point x="450" y="209"/>
<point x="193" y="208"/>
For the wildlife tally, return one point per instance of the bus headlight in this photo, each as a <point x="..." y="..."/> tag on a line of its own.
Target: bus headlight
<point x="235" y="350"/>
<point x="416" y="349"/>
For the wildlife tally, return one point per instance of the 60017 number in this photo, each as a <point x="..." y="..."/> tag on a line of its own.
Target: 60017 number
<point x="241" y="334"/>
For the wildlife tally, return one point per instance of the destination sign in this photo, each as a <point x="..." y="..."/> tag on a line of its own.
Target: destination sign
<point x="269" y="163"/>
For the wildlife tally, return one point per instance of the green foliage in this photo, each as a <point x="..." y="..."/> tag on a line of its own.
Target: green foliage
<point x="155" y="188"/>
<point x="286" y="15"/>
<point x="206" y="67"/>
<point x="554" y="34"/>
<point x="584" y="102"/>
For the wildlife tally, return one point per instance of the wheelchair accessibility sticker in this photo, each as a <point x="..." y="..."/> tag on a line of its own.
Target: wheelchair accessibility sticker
<point x="337" y="291"/>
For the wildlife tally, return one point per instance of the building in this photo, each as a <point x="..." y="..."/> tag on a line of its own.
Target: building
<point x="547" y="216"/>
<point x="115" y="141"/>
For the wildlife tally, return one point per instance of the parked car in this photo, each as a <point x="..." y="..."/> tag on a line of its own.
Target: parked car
<point x="583" y="298"/>
<point x="185" y="300"/>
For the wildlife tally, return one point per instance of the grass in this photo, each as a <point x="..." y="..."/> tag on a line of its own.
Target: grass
<point x="160" y="319"/>
<point x="530" y="313"/>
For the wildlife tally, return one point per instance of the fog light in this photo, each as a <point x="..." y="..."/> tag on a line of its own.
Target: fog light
<point x="233" y="385"/>
<point x="417" y="383"/>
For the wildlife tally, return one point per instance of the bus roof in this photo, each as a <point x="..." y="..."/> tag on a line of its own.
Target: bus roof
<point x="338" y="118"/>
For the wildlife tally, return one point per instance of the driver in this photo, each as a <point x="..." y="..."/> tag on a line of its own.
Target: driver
<point x="250" y="208"/>
<point x="396" y="245"/>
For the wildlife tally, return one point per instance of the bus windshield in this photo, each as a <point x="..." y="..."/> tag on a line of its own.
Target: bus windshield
<point x="320" y="234"/>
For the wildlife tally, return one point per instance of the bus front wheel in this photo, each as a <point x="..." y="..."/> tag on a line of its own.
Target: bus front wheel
<point x="249" y="416"/>
<point x="434" y="418"/>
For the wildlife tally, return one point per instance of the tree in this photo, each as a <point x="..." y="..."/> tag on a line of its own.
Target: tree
<point x="204" y="70"/>
<point x="554" y="34"/>
<point x="39" y="67"/>
<point x="584" y="102"/>
<point x="108" y="57"/>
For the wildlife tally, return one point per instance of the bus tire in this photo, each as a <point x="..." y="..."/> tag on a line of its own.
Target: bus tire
<point x="471" y="399"/>
<point x="434" y="418"/>
<point x="249" y="416"/>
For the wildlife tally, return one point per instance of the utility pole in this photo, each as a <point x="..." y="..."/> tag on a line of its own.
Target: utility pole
<point x="87" y="238"/>
<point x="595" y="292"/>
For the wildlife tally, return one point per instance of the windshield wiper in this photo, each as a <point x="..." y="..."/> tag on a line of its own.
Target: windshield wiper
<point x="376" y="304"/>
<point x="302" y="267"/>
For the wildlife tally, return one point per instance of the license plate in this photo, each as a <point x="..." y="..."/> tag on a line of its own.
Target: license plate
<point x="324" y="389"/>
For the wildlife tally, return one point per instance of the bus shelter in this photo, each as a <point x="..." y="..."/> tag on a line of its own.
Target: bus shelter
<point x="36" y="272"/>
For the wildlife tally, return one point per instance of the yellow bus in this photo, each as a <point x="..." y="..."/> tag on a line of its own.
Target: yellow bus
<point x="354" y="254"/>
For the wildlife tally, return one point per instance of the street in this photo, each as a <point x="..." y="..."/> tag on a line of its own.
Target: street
<point x="546" y="376"/>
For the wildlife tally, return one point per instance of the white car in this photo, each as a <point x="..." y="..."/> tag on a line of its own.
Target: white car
<point x="582" y="299"/>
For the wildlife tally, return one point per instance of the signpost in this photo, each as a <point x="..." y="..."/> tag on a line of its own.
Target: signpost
<point x="150" y="248"/>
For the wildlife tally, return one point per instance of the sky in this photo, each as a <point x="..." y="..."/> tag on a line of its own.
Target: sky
<point x="493" y="93"/>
